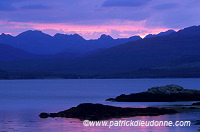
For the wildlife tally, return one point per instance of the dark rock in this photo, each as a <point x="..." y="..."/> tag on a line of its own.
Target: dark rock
<point x="168" y="89"/>
<point x="166" y="93"/>
<point x="52" y="114"/>
<point x="110" y="99"/>
<point x="44" y="115"/>
<point x="198" y="103"/>
<point x="192" y="108"/>
<point x="197" y="122"/>
<point x="101" y="112"/>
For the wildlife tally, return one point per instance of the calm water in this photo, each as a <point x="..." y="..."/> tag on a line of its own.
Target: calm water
<point x="21" y="101"/>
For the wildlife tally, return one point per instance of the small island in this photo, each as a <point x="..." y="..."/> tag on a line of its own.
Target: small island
<point x="168" y="93"/>
<point x="89" y="111"/>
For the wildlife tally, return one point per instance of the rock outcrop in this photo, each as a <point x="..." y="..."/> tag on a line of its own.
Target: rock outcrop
<point x="198" y="103"/>
<point x="88" y="111"/>
<point x="166" y="93"/>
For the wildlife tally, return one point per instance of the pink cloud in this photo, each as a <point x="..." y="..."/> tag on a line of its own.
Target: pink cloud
<point x="6" y="33"/>
<point x="116" y="29"/>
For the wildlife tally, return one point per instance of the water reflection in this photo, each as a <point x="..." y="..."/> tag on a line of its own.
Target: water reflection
<point x="21" y="101"/>
<point x="23" y="124"/>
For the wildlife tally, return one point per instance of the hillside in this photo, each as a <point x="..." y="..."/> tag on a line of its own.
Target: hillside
<point x="9" y="53"/>
<point x="173" y="55"/>
<point x="37" y="42"/>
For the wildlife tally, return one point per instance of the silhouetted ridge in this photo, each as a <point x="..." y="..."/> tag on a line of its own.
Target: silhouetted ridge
<point x="9" y="53"/>
<point x="134" y="38"/>
<point x="173" y="55"/>
<point x="160" y="34"/>
<point x="71" y="36"/>
<point x="194" y="30"/>
<point x="33" y="34"/>
<point x="6" y="38"/>
<point x="105" y="37"/>
<point x="37" y="42"/>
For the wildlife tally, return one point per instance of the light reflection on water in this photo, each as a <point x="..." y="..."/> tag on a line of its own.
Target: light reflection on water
<point x="64" y="124"/>
<point x="21" y="101"/>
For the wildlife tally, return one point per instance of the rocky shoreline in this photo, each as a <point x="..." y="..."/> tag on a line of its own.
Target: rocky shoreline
<point x="168" y="93"/>
<point x="89" y="111"/>
<point x="197" y="103"/>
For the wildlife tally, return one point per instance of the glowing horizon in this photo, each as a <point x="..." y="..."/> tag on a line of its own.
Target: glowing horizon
<point x="116" y="29"/>
<point x="90" y="19"/>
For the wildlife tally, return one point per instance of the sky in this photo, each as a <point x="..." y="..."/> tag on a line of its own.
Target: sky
<point x="91" y="18"/>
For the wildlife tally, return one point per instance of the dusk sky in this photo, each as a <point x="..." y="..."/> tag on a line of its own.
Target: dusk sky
<point x="91" y="18"/>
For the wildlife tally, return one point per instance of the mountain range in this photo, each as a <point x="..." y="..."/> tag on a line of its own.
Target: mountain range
<point x="169" y="54"/>
<point x="37" y="42"/>
<point x="160" y="34"/>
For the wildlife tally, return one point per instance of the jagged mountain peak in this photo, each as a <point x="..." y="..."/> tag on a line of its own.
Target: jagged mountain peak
<point x="105" y="37"/>
<point x="4" y="35"/>
<point x="33" y="33"/>
<point x="160" y="34"/>
<point x="66" y="36"/>
<point x="189" y="30"/>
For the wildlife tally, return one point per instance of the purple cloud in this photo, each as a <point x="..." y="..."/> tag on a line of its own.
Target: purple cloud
<point x="6" y="5"/>
<point x="36" y="6"/>
<point x="154" y="14"/>
<point x="125" y="3"/>
<point x="166" y="6"/>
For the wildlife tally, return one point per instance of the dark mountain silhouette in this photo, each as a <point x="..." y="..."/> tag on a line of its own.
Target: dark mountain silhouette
<point x="148" y="53"/>
<point x="5" y="38"/>
<point x="106" y="41"/>
<point x="173" y="55"/>
<point x="105" y="38"/>
<point x="9" y="53"/>
<point x="67" y="54"/>
<point x="34" y="42"/>
<point x="152" y="52"/>
<point x="38" y="42"/>
<point x="72" y="43"/>
<point x="160" y="34"/>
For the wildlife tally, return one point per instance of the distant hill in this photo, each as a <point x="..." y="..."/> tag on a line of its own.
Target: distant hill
<point x="160" y="34"/>
<point x="173" y="55"/>
<point x="37" y="42"/>
<point x="8" y="53"/>
<point x="6" y="38"/>
<point x="147" y="53"/>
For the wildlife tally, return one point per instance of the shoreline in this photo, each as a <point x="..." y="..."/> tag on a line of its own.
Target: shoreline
<point x="95" y="79"/>
<point x="90" y="111"/>
<point x="98" y="85"/>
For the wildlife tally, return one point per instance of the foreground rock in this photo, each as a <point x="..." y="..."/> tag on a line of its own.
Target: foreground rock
<point x="198" y="103"/>
<point x="166" y="93"/>
<point x="197" y="122"/>
<point x="101" y="112"/>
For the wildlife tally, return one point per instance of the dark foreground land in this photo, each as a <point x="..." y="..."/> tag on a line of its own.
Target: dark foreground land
<point x="91" y="111"/>
<point x="197" y="103"/>
<point x="166" y="93"/>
